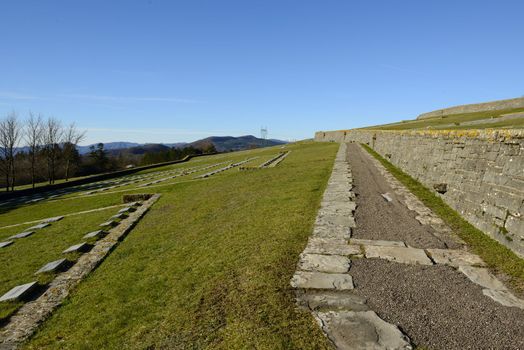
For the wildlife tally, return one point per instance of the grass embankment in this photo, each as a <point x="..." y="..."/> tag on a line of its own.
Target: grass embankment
<point x="20" y="260"/>
<point x="497" y="256"/>
<point x="208" y="266"/>
<point x="451" y="122"/>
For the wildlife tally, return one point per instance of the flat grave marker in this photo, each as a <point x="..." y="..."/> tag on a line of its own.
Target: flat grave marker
<point x="5" y="244"/>
<point x="52" y="266"/>
<point x="18" y="292"/>
<point x="80" y="247"/>
<point x="109" y="223"/>
<point x="95" y="234"/>
<point x="39" y="226"/>
<point x="22" y="235"/>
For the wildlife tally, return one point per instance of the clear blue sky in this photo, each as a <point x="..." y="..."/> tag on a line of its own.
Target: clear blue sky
<point x="169" y="71"/>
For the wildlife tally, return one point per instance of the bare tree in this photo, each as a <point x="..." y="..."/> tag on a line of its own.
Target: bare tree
<point x="52" y="136"/>
<point x="10" y="134"/>
<point x="33" y="138"/>
<point x="72" y="137"/>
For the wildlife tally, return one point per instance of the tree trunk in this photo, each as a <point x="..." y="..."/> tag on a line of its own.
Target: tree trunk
<point x="67" y="170"/>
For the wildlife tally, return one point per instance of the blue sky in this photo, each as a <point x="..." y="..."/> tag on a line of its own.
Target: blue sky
<point x="170" y="71"/>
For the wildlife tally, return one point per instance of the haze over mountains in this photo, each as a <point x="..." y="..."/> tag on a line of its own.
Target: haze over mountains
<point x="221" y="143"/>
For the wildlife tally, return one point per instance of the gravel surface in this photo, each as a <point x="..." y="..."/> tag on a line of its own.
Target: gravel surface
<point x="437" y="306"/>
<point x="378" y="219"/>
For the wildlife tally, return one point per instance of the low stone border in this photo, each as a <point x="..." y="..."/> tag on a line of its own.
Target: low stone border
<point x="25" y="322"/>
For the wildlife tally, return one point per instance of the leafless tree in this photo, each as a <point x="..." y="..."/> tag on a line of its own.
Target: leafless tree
<point x="52" y="136"/>
<point x="34" y="138"/>
<point x="72" y="136"/>
<point x="10" y="134"/>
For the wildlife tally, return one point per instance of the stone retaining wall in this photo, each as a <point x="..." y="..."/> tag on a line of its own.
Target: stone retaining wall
<point x="483" y="172"/>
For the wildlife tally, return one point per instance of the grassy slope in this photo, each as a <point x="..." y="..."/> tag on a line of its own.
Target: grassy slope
<point x="441" y="122"/>
<point x="208" y="266"/>
<point x="492" y="252"/>
<point x="19" y="261"/>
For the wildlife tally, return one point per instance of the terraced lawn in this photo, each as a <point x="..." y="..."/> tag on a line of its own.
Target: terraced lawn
<point x="208" y="266"/>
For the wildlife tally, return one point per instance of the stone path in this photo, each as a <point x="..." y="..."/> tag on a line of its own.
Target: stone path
<point x="368" y="277"/>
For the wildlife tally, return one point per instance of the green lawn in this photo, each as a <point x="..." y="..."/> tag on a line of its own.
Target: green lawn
<point x="497" y="256"/>
<point x="20" y="260"/>
<point x="455" y="120"/>
<point x="208" y="266"/>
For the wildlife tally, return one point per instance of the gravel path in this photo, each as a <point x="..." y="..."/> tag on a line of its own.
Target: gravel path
<point x="437" y="306"/>
<point x="382" y="220"/>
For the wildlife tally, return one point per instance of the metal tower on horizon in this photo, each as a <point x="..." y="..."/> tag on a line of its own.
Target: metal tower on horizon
<point x="263" y="132"/>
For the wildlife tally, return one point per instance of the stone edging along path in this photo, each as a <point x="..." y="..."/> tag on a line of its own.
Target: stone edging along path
<point x="324" y="285"/>
<point x="322" y="280"/>
<point x="25" y="322"/>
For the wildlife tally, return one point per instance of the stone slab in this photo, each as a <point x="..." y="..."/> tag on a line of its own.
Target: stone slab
<point x="324" y="263"/>
<point x="39" y="226"/>
<point x="321" y="280"/>
<point x="398" y="254"/>
<point x="482" y="277"/>
<point x="332" y="231"/>
<point x="387" y="197"/>
<point x="319" y="300"/>
<point x="454" y="257"/>
<point x="5" y="244"/>
<point x="18" y="292"/>
<point x="52" y="266"/>
<point x="109" y="223"/>
<point x="377" y="242"/>
<point x="361" y="330"/>
<point x="22" y="235"/>
<point x="95" y="234"/>
<point x="80" y="247"/>
<point x="504" y="297"/>
<point x="332" y="248"/>
<point x="338" y="220"/>
<point x="126" y="210"/>
<point x="119" y="216"/>
<point x="327" y="240"/>
<point x="53" y="219"/>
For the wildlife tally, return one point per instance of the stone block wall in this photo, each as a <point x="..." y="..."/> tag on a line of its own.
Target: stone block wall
<point x="483" y="171"/>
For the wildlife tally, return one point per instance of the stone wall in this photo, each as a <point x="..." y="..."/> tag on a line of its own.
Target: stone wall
<point x="483" y="171"/>
<point x="476" y="107"/>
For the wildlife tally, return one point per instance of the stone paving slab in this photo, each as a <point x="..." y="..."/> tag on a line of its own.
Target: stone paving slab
<point x="19" y="292"/>
<point x="455" y="257"/>
<point x="315" y="240"/>
<point x="398" y="254"/>
<point x="377" y="242"/>
<point x="332" y="248"/>
<point x="361" y="330"/>
<point x="332" y="231"/>
<point x="324" y="263"/>
<point x="482" y="277"/>
<point x="347" y="221"/>
<point x="325" y="300"/>
<point x="321" y="280"/>
<point x="504" y="297"/>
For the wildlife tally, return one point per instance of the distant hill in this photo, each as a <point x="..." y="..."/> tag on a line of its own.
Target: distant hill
<point x="230" y="143"/>
<point x="221" y="143"/>
<point x="109" y="146"/>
